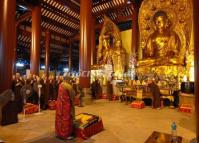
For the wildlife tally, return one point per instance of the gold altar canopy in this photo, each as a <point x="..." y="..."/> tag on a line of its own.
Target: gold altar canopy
<point x="165" y="32"/>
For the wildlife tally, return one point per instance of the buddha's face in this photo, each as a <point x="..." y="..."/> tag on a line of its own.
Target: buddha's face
<point x="118" y="44"/>
<point x="17" y="75"/>
<point x="105" y="42"/>
<point x="160" y="23"/>
<point x="38" y="78"/>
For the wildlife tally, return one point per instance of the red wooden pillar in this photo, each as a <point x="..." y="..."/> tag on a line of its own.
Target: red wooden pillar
<point x="70" y="56"/>
<point x="7" y="46"/>
<point x="35" y="43"/>
<point x="47" y="54"/>
<point x="196" y="62"/>
<point x="135" y="30"/>
<point x="85" y="42"/>
<point x="93" y="42"/>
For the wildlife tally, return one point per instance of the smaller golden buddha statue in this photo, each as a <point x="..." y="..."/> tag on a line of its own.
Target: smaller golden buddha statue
<point x="163" y="45"/>
<point x="104" y="50"/>
<point x="106" y="53"/>
<point x="118" y="58"/>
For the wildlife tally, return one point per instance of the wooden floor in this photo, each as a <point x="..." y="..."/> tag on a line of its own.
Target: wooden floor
<point x="122" y="124"/>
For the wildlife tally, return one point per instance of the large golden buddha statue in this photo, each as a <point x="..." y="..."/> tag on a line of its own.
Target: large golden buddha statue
<point x="163" y="45"/>
<point x="164" y="41"/>
<point x="165" y="29"/>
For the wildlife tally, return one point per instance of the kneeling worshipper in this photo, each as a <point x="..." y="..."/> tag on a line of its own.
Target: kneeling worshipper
<point x="65" y="111"/>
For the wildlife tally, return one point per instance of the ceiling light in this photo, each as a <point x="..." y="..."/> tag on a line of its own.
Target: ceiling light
<point x="23" y="7"/>
<point x="66" y="69"/>
<point x="19" y="64"/>
<point x="129" y="2"/>
<point x="43" y="67"/>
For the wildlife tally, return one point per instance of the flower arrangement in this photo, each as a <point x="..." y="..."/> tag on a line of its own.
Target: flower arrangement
<point x="132" y="66"/>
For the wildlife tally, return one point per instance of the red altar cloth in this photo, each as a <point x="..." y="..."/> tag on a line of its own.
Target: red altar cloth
<point x="88" y="132"/>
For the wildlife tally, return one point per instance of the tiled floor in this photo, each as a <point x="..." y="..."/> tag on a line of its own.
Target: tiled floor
<point x="122" y="124"/>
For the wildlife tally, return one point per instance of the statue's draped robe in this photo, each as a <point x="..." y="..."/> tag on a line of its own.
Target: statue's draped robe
<point x="159" y="46"/>
<point x="65" y="111"/>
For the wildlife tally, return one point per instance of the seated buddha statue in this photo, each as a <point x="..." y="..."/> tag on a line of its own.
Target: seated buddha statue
<point x="118" y="58"/>
<point x="163" y="45"/>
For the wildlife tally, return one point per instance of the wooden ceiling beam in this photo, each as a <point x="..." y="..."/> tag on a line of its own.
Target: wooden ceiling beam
<point x="27" y="45"/>
<point x="113" y="9"/>
<point x="23" y="17"/>
<point x="53" y="41"/>
<point x="116" y="21"/>
<point x="77" y="1"/>
<point x="76" y="37"/>
<point x="54" y="50"/>
<point x="54" y="46"/>
<point x="58" y="24"/>
<point x="60" y="13"/>
<point x="101" y="3"/>
<point x="69" y="4"/>
<point x="123" y="19"/>
<point x="99" y="26"/>
<point x="55" y="33"/>
<point x="23" y="32"/>
<point x="24" y="42"/>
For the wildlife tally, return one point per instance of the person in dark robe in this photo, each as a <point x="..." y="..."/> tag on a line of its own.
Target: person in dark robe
<point x="55" y="88"/>
<point x="154" y="89"/>
<point x="65" y="111"/>
<point x="51" y="87"/>
<point x="16" y="87"/>
<point x="95" y="89"/>
<point x="109" y="90"/>
<point x="43" y="94"/>
<point x="176" y="98"/>
<point x="46" y="92"/>
<point x="79" y="93"/>
<point x="36" y="90"/>
<point x="30" y="81"/>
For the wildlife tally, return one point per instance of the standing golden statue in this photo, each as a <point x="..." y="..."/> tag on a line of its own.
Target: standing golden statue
<point x="110" y="50"/>
<point x="118" y="58"/>
<point x="163" y="44"/>
<point x="107" y="49"/>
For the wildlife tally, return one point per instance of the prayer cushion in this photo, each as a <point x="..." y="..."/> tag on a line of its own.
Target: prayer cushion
<point x="138" y="104"/>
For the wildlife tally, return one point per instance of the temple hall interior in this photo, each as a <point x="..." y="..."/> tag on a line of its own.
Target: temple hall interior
<point x="99" y="71"/>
